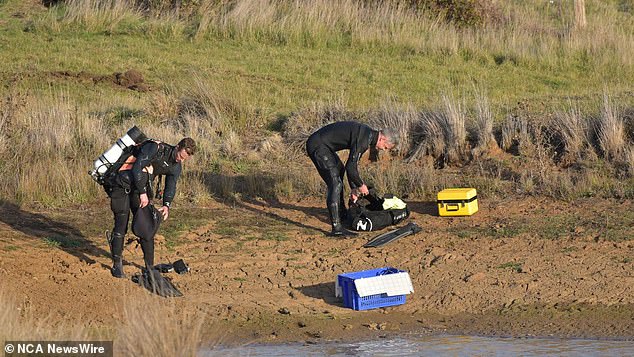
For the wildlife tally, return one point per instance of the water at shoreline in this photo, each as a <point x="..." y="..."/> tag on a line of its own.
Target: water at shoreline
<point x="438" y="345"/>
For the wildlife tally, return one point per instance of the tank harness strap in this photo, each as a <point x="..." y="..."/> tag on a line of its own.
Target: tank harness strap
<point x="159" y="191"/>
<point x="127" y="165"/>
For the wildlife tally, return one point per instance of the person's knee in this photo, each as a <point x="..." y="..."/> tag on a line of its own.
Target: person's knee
<point x="121" y="216"/>
<point x="338" y="186"/>
<point x="333" y="178"/>
<point x="121" y="222"/>
<point x="335" y="185"/>
<point x="146" y="238"/>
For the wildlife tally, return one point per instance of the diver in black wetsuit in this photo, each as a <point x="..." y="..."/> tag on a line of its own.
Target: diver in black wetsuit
<point x="131" y="191"/>
<point x="322" y="146"/>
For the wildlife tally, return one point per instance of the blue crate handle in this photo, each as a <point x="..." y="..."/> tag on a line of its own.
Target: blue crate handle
<point x="388" y="271"/>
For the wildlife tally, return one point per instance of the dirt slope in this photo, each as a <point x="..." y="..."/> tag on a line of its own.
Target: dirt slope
<point x="266" y="271"/>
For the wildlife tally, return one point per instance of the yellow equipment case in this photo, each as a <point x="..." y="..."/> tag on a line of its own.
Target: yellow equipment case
<point x="457" y="202"/>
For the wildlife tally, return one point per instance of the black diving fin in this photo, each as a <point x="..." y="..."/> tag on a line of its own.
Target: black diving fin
<point x="387" y="237"/>
<point x="152" y="280"/>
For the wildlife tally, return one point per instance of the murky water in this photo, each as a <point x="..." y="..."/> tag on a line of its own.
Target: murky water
<point x="438" y="346"/>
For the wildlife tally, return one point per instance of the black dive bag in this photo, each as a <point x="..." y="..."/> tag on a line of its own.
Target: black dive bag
<point x="367" y="214"/>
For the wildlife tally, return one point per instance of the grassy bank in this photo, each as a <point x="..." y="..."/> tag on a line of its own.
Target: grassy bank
<point x="515" y="105"/>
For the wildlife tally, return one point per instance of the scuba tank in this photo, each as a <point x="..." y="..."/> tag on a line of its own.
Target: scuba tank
<point x="109" y="158"/>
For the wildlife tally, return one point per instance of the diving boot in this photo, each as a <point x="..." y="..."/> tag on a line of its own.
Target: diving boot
<point x="343" y="212"/>
<point x="147" y="245"/>
<point x="339" y="231"/>
<point x="117" y="267"/>
<point x="116" y="249"/>
<point x="337" y="228"/>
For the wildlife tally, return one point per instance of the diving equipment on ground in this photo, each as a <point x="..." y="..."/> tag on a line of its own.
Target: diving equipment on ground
<point x="178" y="266"/>
<point x="152" y="280"/>
<point x="385" y="238"/>
<point x="112" y="156"/>
<point x="164" y="267"/>
<point x="372" y="213"/>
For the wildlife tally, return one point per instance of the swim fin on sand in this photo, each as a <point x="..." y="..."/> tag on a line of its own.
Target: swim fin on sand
<point x="387" y="237"/>
<point x="152" y="280"/>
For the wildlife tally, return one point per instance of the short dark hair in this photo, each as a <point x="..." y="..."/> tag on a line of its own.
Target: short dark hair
<point x="188" y="144"/>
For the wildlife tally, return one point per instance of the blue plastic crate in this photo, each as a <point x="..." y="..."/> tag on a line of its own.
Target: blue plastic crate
<point x="351" y="298"/>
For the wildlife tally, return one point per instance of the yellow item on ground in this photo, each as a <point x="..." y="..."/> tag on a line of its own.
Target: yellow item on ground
<point x="457" y="202"/>
<point x="393" y="203"/>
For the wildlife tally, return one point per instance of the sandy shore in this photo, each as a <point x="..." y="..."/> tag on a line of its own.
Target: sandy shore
<point x="265" y="271"/>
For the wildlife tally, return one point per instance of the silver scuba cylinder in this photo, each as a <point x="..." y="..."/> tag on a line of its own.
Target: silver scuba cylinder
<point x="107" y="159"/>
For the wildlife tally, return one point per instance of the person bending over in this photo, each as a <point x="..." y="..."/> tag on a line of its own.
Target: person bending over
<point x="322" y="147"/>
<point x="132" y="191"/>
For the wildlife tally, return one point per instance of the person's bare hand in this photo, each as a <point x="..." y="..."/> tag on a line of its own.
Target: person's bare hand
<point x="364" y="189"/>
<point x="144" y="200"/>
<point x="165" y="211"/>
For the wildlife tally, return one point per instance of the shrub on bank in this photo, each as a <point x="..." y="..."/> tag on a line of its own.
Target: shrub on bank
<point x="469" y="13"/>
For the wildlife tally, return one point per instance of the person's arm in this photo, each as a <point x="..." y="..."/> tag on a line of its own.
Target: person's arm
<point x="357" y="147"/>
<point x="170" y="190"/>
<point x="170" y="187"/>
<point x="352" y="170"/>
<point x="144" y="158"/>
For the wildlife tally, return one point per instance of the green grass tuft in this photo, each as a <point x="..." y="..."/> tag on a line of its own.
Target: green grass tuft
<point x="275" y="236"/>
<point x="62" y="242"/>
<point x="516" y="267"/>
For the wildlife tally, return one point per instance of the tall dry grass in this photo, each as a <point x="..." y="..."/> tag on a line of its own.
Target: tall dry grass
<point x="113" y="16"/>
<point x="526" y="35"/>
<point x="418" y="180"/>
<point x="429" y="136"/>
<point x="611" y="130"/>
<point x="442" y="133"/>
<point x="629" y="159"/>
<point x="153" y="326"/>
<point x="196" y="109"/>
<point x="149" y="326"/>
<point x="529" y="165"/>
<point x="18" y="322"/>
<point x="51" y="139"/>
<point x="515" y="134"/>
<point x="314" y="22"/>
<point x="59" y="138"/>
<point x="454" y="129"/>
<point x="572" y="132"/>
<point x="98" y="14"/>
<point x="400" y="118"/>
<point x="482" y="125"/>
<point x="529" y="31"/>
<point x="298" y="126"/>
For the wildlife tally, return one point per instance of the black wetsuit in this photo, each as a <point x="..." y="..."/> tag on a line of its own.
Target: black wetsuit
<point x="130" y="184"/>
<point x="322" y="146"/>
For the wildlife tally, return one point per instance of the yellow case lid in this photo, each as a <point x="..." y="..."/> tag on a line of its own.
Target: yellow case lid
<point x="456" y="193"/>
